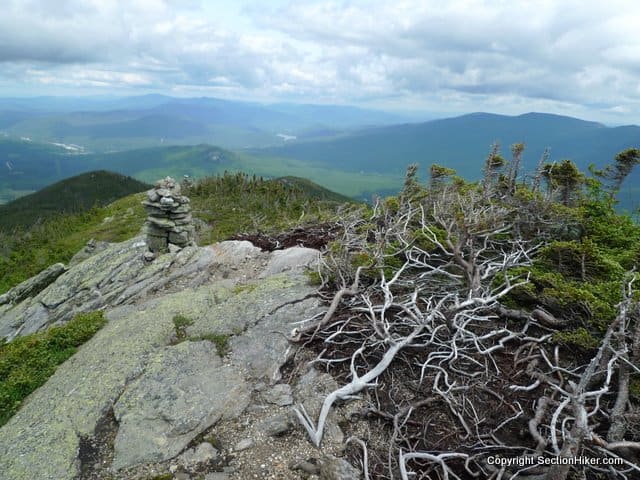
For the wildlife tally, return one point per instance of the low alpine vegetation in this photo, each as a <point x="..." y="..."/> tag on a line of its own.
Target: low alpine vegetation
<point x="28" y="361"/>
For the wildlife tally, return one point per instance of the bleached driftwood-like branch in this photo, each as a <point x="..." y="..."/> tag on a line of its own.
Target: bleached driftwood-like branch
<point x="438" y="320"/>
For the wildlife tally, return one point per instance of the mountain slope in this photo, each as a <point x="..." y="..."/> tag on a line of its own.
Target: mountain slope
<point x="463" y="143"/>
<point x="29" y="166"/>
<point x="313" y="190"/>
<point x="72" y="195"/>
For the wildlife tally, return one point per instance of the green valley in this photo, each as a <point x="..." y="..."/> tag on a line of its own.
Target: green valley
<point x="30" y="166"/>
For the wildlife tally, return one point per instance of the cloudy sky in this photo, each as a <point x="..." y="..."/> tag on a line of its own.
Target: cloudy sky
<point x="573" y="57"/>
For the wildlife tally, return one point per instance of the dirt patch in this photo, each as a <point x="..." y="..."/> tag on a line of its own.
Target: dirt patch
<point x="96" y="452"/>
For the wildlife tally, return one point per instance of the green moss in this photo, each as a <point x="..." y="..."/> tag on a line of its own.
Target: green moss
<point x="366" y="228"/>
<point x="214" y="441"/>
<point x="569" y="299"/>
<point x="582" y="260"/>
<point x="424" y="239"/>
<point x="392" y="263"/>
<point x="361" y="259"/>
<point x="27" y="362"/>
<point x="593" y="302"/>
<point x="392" y="204"/>
<point x="525" y="195"/>
<point x="335" y="247"/>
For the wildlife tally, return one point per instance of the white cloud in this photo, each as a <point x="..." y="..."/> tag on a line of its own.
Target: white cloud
<point x="450" y="56"/>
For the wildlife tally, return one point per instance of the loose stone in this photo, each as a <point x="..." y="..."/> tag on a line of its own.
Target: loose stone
<point x="276" y="425"/>
<point x="243" y="445"/>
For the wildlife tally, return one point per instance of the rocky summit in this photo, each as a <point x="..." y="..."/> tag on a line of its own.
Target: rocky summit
<point x="185" y="380"/>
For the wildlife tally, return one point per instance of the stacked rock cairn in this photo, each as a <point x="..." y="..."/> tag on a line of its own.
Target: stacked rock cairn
<point x="169" y="224"/>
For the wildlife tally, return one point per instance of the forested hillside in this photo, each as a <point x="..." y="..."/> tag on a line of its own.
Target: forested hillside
<point x="30" y="166"/>
<point x="72" y="195"/>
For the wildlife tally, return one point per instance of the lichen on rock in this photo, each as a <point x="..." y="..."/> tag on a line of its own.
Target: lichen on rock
<point x="164" y="392"/>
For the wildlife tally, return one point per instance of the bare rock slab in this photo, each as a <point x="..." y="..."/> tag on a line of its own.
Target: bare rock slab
<point x="114" y="276"/>
<point x="33" y="285"/>
<point x="276" y="425"/>
<point x="262" y="350"/>
<point x="184" y="390"/>
<point x="294" y="258"/>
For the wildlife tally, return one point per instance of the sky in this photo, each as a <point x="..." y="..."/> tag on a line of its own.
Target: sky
<point x="433" y="57"/>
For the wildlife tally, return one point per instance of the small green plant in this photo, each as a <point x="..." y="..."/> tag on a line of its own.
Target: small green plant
<point x="27" y="362"/>
<point x="162" y="476"/>
<point x="313" y="277"/>
<point x="214" y="441"/>
<point x="181" y="323"/>
<point x="221" y="341"/>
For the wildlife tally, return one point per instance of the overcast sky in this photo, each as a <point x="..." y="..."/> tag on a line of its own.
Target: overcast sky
<point x="579" y="58"/>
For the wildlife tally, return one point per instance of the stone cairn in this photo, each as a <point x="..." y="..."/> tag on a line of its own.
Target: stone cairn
<point x="169" y="223"/>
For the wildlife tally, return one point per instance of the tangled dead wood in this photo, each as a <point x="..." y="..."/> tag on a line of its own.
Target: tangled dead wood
<point x="311" y="236"/>
<point x="463" y="386"/>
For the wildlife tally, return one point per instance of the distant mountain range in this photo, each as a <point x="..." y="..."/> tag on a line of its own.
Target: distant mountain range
<point x="463" y="143"/>
<point x="353" y="161"/>
<point x="104" y="124"/>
